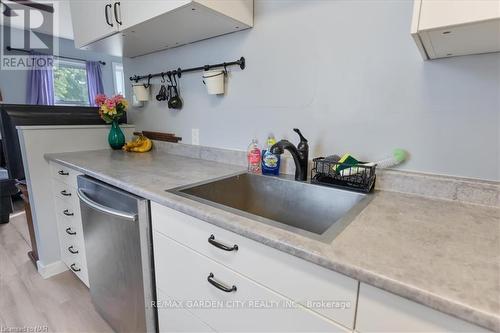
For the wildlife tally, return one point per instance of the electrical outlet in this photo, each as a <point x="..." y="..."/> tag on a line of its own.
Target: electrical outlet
<point x="195" y="136"/>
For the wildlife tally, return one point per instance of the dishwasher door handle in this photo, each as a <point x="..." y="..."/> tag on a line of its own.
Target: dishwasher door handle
<point x="105" y="209"/>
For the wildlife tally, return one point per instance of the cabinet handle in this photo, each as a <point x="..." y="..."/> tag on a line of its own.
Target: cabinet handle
<point x="74" y="269"/>
<point x="67" y="213"/>
<point x="62" y="173"/>
<point x="70" y="232"/>
<point x="65" y="193"/>
<point x="219" y="285"/>
<point x="70" y="249"/>
<point x="115" y="9"/>
<point x="108" y="6"/>
<point x="221" y="246"/>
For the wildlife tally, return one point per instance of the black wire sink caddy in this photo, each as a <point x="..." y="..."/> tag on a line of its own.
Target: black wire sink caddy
<point x="360" y="177"/>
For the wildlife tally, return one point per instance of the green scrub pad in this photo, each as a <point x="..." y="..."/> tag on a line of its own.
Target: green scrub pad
<point x="345" y="162"/>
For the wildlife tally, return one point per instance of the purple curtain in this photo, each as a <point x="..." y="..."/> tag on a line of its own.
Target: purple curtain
<point x="94" y="80"/>
<point x="40" y="88"/>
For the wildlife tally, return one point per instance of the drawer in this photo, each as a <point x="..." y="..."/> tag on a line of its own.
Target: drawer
<point x="172" y="318"/>
<point x="79" y="269"/>
<point x="184" y="275"/>
<point x="69" y="232"/>
<point x="67" y="239"/>
<point x="380" y="311"/>
<point x="73" y="255"/>
<point x="322" y="290"/>
<point x="64" y="174"/>
<point x="68" y="214"/>
<point x="65" y="192"/>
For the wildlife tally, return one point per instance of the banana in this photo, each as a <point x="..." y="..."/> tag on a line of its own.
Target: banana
<point x="136" y="142"/>
<point x="145" y="146"/>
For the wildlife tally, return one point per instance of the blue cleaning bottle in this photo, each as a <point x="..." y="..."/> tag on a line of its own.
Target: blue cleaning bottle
<point x="270" y="161"/>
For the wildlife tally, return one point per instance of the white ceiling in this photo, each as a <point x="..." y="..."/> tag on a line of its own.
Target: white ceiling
<point x="62" y="19"/>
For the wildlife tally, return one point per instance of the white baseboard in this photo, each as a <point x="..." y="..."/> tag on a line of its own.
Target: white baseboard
<point x="51" y="269"/>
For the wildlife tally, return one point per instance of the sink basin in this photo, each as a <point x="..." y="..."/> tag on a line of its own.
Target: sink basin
<point x="312" y="210"/>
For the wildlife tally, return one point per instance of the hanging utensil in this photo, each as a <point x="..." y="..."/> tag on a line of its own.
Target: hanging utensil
<point x="175" y="101"/>
<point x="162" y="94"/>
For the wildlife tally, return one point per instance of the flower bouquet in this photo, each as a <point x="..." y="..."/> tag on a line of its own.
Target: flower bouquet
<point x="111" y="110"/>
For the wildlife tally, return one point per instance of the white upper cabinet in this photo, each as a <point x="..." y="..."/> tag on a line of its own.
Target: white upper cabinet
<point x="92" y="20"/>
<point x="133" y="12"/>
<point x="132" y="28"/>
<point x="445" y="28"/>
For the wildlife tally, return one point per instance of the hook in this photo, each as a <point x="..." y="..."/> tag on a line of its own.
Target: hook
<point x="149" y="82"/>
<point x="179" y="72"/>
<point x="225" y="69"/>
<point x="162" y="77"/>
<point x="206" y="67"/>
<point x="169" y="75"/>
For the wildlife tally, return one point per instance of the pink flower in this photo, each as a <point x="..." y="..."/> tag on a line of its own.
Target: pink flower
<point x="100" y="99"/>
<point x="118" y="98"/>
<point x="110" y="103"/>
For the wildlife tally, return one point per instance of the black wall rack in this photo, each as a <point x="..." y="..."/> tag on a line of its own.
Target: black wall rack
<point x="240" y="62"/>
<point x="8" y="48"/>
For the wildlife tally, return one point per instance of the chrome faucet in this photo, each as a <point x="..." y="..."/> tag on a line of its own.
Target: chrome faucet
<point x="300" y="154"/>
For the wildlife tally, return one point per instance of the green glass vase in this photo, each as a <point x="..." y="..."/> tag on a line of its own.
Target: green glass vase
<point x="116" y="139"/>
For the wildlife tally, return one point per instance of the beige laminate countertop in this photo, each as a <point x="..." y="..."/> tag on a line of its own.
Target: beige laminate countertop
<point x="443" y="254"/>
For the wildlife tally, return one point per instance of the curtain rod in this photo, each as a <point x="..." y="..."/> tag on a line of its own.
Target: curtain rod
<point x="57" y="56"/>
<point x="240" y="62"/>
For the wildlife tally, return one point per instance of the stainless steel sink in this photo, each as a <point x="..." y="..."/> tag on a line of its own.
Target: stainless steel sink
<point x="315" y="211"/>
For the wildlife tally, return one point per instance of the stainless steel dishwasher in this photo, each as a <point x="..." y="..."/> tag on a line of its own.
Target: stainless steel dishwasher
<point x="116" y="229"/>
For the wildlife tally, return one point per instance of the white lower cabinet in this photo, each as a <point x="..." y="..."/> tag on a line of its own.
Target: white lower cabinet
<point x="273" y="291"/>
<point x="324" y="291"/>
<point x="35" y="142"/>
<point x="69" y="221"/>
<point x="226" y="300"/>
<point x="380" y="311"/>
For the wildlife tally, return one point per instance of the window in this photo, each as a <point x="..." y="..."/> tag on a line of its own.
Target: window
<point x="119" y="78"/>
<point x="70" y="83"/>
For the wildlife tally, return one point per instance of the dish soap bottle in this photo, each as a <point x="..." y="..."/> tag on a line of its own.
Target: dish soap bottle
<point x="270" y="161"/>
<point x="253" y="157"/>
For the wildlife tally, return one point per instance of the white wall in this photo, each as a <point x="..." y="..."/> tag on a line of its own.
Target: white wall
<point x="348" y="74"/>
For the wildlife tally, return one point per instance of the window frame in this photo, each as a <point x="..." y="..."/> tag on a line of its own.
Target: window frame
<point x="72" y="64"/>
<point x="115" y="65"/>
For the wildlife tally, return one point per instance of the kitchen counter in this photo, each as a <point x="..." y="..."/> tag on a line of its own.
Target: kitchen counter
<point x="443" y="254"/>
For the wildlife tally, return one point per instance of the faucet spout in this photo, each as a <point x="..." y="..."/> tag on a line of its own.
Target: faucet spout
<point x="300" y="155"/>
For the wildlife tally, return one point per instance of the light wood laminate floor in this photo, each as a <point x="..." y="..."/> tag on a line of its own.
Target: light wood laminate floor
<point x="58" y="304"/>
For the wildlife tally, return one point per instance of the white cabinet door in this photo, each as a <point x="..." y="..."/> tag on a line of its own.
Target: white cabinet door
<point x="380" y="311"/>
<point x="133" y="12"/>
<point x="226" y="300"/>
<point x="442" y="13"/>
<point x="92" y="20"/>
<point x="445" y="28"/>
<point x="322" y="290"/>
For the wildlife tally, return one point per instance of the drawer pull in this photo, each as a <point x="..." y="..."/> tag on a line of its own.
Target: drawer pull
<point x="221" y="246"/>
<point x="72" y="250"/>
<point x="62" y="173"/>
<point x="70" y="232"/>
<point x="65" y="193"/>
<point x="74" y="269"/>
<point x="67" y="213"/>
<point x="219" y="285"/>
